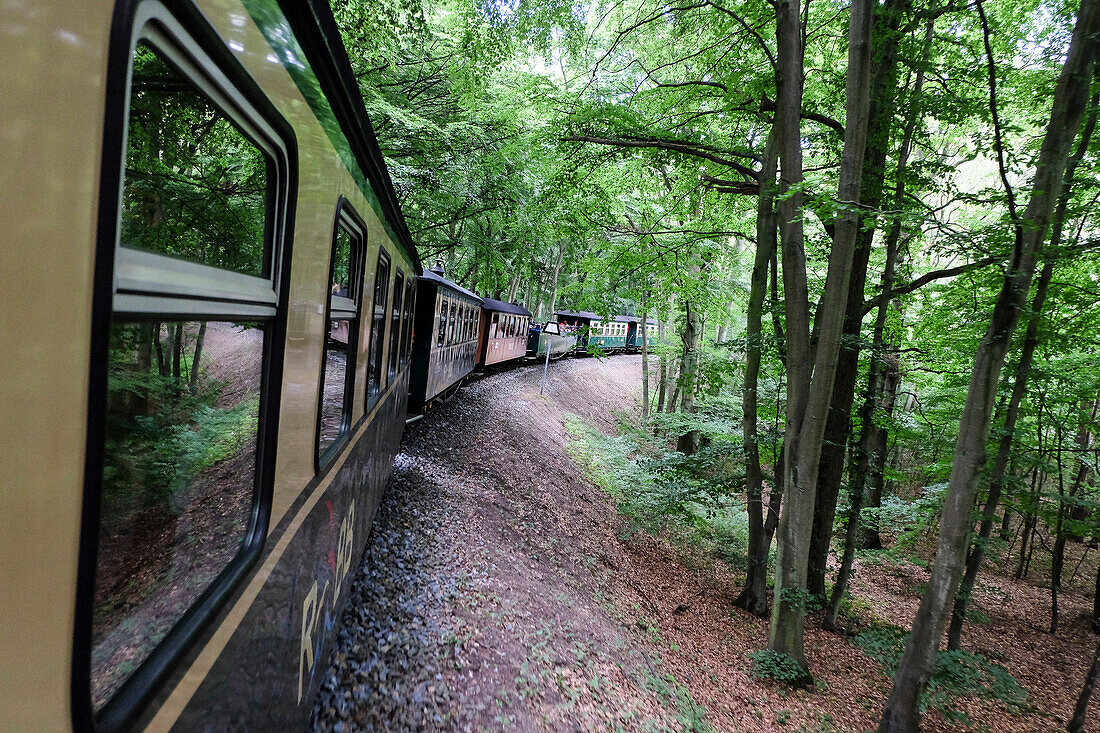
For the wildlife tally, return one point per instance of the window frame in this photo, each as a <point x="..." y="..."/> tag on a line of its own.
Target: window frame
<point x="382" y="267"/>
<point x="132" y="284"/>
<point x="396" y="309"/>
<point x="410" y="314"/>
<point x="346" y="309"/>
<point x="441" y="319"/>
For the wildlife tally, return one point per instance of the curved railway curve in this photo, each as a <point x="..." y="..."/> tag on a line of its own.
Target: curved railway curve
<point x="488" y="594"/>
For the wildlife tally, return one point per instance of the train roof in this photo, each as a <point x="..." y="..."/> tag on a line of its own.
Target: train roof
<point x="439" y="280"/>
<point x="588" y="315"/>
<point x="501" y="306"/>
<point x="316" y="31"/>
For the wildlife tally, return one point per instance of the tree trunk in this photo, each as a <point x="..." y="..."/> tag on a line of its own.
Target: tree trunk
<point x="1070" y="99"/>
<point x="1019" y="387"/>
<point x="1028" y="533"/>
<point x="1000" y="463"/>
<point x="688" y="443"/>
<point x="554" y="280"/>
<point x="754" y="596"/>
<point x="865" y="450"/>
<point x="838" y="426"/>
<point x="177" y="354"/>
<point x="662" y="381"/>
<point x="513" y="287"/>
<point x="645" y="358"/>
<point x="1077" y="722"/>
<point x="1096" y="603"/>
<point x="785" y="633"/>
<point x="199" y="340"/>
<point x="808" y="397"/>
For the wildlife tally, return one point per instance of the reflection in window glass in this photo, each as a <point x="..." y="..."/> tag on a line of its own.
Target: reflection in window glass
<point x="195" y="186"/>
<point x="395" y="321"/>
<point x="375" y="367"/>
<point x="341" y="264"/>
<point x="452" y="321"/>
<point x="338" y="368"/>
<point x="334" y="395"/>
<point x="178" y="479"/>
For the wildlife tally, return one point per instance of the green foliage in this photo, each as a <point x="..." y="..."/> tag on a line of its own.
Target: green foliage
<point x="161" y="435"/>
<point x="908" y="519"/>
<point x="212" y="436"/>
<point x="956" y="674"/>
<point x="195" y="186"/>
<point x="660" y="489"/>
<point x="769" y="665"/>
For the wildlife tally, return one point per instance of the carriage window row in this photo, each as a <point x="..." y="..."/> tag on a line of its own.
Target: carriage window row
<point x="506" y="326"/>
<point x="181" y="429"/>
<point x="341" y="342"/>
<point x="341" y="339"/>
<point x="458" y="321"/>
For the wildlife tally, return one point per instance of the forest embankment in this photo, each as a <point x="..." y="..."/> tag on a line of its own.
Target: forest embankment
<point x="503" y="589"/>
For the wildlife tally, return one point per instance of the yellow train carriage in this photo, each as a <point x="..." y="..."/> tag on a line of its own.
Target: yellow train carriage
<point x="207" y="298"/>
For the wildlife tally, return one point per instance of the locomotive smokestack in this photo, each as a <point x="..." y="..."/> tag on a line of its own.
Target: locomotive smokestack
<point x="438" y="269"/>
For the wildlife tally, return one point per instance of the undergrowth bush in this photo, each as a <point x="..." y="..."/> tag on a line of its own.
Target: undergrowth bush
<point x="770" y="665"/>
<point x="956" y="673"/>
<point x="695" y="497"/>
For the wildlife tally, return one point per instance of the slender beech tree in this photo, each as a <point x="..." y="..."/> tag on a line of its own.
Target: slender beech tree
<point x="838" y="427"/>
<point x="878" y="393"/>
<point x="1070" y="101"/>
<point x="998" y="475"/>
<point x="810" y="374"/>
<point x="754" y="596"/>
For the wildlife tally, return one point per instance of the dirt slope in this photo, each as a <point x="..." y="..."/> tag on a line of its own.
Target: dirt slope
<point x="499" y="594"/>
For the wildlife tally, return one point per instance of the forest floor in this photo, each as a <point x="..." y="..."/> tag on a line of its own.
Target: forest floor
<point x="502" y="590"/>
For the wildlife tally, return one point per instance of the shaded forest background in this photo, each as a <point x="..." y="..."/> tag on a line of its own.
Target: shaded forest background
<point x="867" y="230"/>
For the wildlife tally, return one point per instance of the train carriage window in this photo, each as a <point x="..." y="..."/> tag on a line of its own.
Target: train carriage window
<point x="445" y="321"/>
<point x="442" y="305"/>
<point x="453" y="323"/>
<point x="406" y="324"/>
<point x="375" y="368"/>
<point x="194" y="183"/>
<point x="341" y="333"/>
<point x="395" y="321"/>
<point x="410" y="310"/>
<point x="179" y="428"/>
<point x="494" y="325"/>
